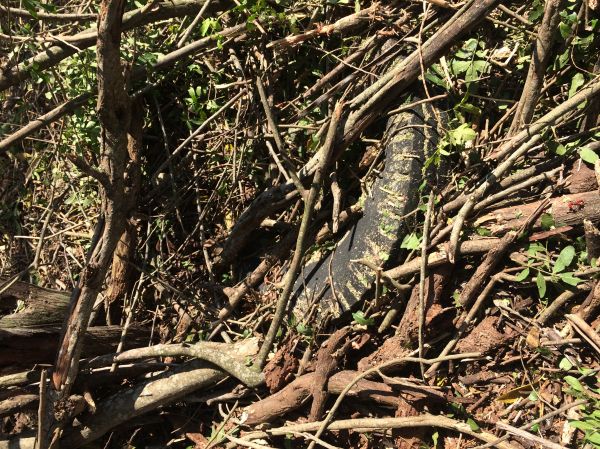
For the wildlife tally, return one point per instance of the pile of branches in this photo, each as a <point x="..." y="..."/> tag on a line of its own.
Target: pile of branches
<point x="167" y="170"/>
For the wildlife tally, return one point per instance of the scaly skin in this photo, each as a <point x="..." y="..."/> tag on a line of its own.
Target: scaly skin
<point x="410" y="137"/>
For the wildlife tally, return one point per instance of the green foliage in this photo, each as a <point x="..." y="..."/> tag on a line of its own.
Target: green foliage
<point x="473" y="425"/>
<point x="589" y="421"/>
<point x="411" y="241"/>
<point x="33" y="6"/>
<point x="588" y="155"/>
<point x="359" y="318"/>
<point x="541" y="266"/>
<point x="537" y="11"/>
<point x="469" y="64"/>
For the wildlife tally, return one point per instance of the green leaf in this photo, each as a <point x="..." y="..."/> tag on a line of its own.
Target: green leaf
<point x="577" y="81"/>
<point x="459" y="67"/>
<point x="565" y="364"/>
<point x="535" y="248"/>
<point x="593" y="438"/>
<point x="573" y="383"/>
<point x="565" y="30"/>
<point x="360" y="318"/>
<point x="31" y="7"/>
<point x="560" y="149"/>
<point x="411" y="241"/>
<point x="547" y="221"/>
<point x="533" y="396"/>
<point x="434" y="438"/>
<point x="588" y="155"/>
<point x="473" y="425"/>
<point x="541" y="284"/>
<point x="536" y="12"/>
<point x="569" y="279"/>
<point x="469" y="108"/>
<point x="564" y="259"/>
<point x="522" y="275"/>
<point x="581" y="425"/>
<point x="470" y="45"/>
<point x="303" y="329"/>
<point x="463" y="134"/>
<point x="484" y="232"/>
<point x="563" y="59"/>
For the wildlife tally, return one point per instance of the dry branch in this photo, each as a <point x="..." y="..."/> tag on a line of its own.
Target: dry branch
<point x="566" y="210"/>
<point x="295" y="394"/>
<point x="38" y="306"/>
<point x="342" y="25"/>
<point x="301" y="242"/>
<point x="371" y="424"/>
<point x="206" y="351"/>
<point x="31" y="345"/>
<point x="539" y="62"/>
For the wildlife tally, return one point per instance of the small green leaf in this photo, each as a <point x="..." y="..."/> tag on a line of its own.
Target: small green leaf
<point x="565" y="364"/>
<point x="573" y="383"/>
<point x="535" y="248"/>
<point x="547" y="221"/>
<point x="411" y="241"/>
<point x="560" y="149"/>
<point x="577" y="81"/>
<point x="484" y="232"/>
<point x="541" y="284"/>
<point x="569" y="279"/>
<point x="536" y="12"/>
<point x="522" y="275"/>
<point x="473" y="425"/>
<point x="463" y="134"/>
<point x="360" y="318"/>
<point x="588" y="155"/>
<point x="533" y="396"/>
<point x="434" y="439"/>
<point x="565" y="30"/>
<point x="581" y="425"/>
<point x="564" y="259"/>
<point x="594" y="438"/>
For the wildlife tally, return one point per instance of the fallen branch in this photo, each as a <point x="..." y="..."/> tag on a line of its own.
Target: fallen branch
<point x="27" y="346"/>
<point x="295" y="395"/>
<point x="161" y="390"/>
<point x="372" y="424"/>
<point x="566" y="210"/>
<point x="207" y="351"/>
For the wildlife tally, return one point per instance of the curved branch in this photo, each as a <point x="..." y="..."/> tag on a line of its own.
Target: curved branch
<point x="207" y="351"/>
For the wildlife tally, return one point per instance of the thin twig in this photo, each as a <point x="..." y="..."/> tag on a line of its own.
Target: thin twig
<point x="423" y="274"/>
<point x="294" y="269"/>
<point x="278" y="139"/>
<point x="189" y="29"/>
<point x="42" y="442"/>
